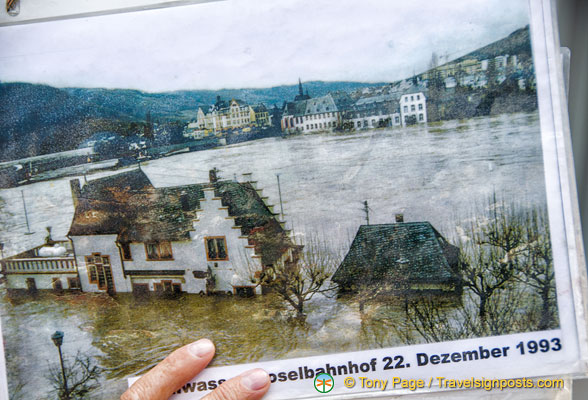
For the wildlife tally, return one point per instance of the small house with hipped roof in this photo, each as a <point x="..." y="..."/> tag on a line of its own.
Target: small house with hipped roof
<point x="409" y="256"/>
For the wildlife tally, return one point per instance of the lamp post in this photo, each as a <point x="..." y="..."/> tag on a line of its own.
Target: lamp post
<point x="57" y="338"/>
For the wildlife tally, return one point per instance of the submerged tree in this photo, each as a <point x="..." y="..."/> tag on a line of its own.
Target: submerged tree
<point x="507" y="273"/>
<point x="486" y="265"/>
<point x="536" y="266"/>
<point x="300" y="273"/>
<point x="82" y="376"/>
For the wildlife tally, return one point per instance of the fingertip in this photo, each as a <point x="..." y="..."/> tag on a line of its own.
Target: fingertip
<point x="255" y="380"/>
<point x="202" y="348"/>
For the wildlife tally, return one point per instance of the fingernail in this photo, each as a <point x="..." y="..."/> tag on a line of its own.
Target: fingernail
<point x="254" y="379"/>
<point x="201" y="348"/>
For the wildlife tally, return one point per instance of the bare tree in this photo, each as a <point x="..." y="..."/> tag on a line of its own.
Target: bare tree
<point x="535" y="263"/>
<point x="507" y="271"/>
<point x="486" y="261"/>
<point x="304" y="273"/>
<point x="82" y="376"/>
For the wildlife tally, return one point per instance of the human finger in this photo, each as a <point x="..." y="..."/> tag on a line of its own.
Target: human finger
<point x="173" y="372"/>
<point x="250" y="385"/>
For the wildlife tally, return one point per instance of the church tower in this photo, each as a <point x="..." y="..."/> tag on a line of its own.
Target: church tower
<point x="301" y="95"/>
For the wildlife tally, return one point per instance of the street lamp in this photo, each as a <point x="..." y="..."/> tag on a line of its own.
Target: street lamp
<point x="57" y="338"/>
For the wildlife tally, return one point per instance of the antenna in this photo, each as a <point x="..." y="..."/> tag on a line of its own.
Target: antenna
<point x="366" y="209"/>
<point x="280" y="194"/>
<point x="24" y="204"/>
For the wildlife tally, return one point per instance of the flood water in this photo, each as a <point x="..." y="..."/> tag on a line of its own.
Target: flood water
<point x="443" y="173"/>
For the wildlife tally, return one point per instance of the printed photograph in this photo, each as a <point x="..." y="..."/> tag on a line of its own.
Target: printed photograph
<point x="288" y="179"/>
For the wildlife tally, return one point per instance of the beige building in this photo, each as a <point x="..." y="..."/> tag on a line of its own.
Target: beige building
<point x="234" y="114"/>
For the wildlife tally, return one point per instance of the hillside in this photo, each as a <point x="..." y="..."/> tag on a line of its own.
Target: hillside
<point x="40" y="119"/>
<point x="518" y="42"/>
<point x="184" y="104"/>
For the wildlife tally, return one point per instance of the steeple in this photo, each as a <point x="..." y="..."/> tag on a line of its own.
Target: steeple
<point x="301" y="95"/>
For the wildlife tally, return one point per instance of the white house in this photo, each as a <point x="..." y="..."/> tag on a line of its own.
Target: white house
<point x="413" y="107"/>
<point x="308" y="115"/>
<point x="323" y="113"/>
<point x="374" y="112"/>
<point x="128" y="236"/>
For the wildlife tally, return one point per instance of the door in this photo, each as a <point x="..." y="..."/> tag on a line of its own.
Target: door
<point x="31" y="285"/>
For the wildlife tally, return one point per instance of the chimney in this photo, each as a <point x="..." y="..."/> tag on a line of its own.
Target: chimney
<point x="212" y="175"/>
<point x="248" y="177"/>
<point x="76" y="191"/>
<point x="399" y="218"/>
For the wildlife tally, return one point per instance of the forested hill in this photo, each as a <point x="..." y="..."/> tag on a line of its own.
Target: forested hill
<point x="518" y="42"/>
<point x="40" y="119"/>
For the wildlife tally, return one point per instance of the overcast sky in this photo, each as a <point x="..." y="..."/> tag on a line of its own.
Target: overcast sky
<point x="253" y="43"/>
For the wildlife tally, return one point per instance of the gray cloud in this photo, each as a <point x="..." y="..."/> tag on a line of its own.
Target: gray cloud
<point x="261" y="43"/>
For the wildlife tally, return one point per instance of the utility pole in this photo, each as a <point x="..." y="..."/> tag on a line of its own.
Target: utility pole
<point x="280" y="194"/>
<point x="24" y="204"/>
<point x="366" y="209"/>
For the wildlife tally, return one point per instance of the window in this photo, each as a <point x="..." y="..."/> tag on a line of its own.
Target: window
<point x="216" y="248"/>
<point x="397" y="120"/>
<point x="411" y="98"/>
<point x="412" y="107"/>
<point x="97" y="266"/>
<point x="306" y="127"/>
<point x="141" y="289"/>
<point x="359" y="124"/>
<point x="73" y="283"/>
<point x="125" y="249"/>
<point x="159" y="251"/>
<point x="418" y="97"/>
<point x="420" y="107"/>
<point x="405" y="109"/>
<point x="421" y="118"/>
<point x="57" y="285"/>
<point x="244" y="291"/>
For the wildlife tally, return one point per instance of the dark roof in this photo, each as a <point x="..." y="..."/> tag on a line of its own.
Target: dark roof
<point x="332" y="102"/>
<point x="412" y="251"/>
<point x="295" y="108"/>
<point x="128" y="205"/>
<point x="373" y="109"/>
<point x="416" y="89"/>
<point x="260" y="108"/>
<point x="383" y="98"/>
